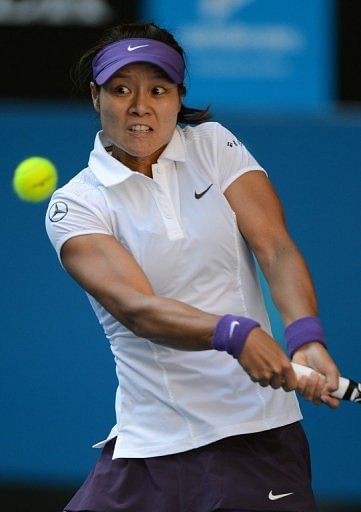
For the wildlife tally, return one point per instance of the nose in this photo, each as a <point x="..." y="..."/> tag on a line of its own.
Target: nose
<point x="140" y="105"/>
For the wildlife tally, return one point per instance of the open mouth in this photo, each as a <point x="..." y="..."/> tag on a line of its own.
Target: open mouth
<point x="140" y="128"/>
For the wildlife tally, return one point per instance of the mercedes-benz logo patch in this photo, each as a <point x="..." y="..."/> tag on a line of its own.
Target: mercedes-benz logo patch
<point x="58" y="211"/>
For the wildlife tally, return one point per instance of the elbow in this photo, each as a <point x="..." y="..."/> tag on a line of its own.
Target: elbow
<point x="136" y="313"/>
<point x="272" y="251"/>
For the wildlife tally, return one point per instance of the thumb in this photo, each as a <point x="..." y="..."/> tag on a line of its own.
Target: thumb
<point x="332" y="378"/>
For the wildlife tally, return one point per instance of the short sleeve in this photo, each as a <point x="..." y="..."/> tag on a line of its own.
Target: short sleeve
<point x="233" y="158"/>
<point x="70" y="215"/>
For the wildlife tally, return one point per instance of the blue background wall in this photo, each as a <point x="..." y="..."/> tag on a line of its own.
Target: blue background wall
<point x="259" y="54"/>
<point x="56" y="371"/>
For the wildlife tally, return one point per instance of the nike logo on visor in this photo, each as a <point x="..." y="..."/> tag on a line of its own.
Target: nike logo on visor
<point x="198" y="196"/>
<point x="131" y="49"/>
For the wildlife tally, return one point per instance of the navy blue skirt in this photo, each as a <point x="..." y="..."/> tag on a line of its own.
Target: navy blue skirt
<point x="263" y="471"/>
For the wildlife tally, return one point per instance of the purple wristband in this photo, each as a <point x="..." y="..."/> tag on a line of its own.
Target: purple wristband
<point x="231" y="332"/>
<point x="302" y="331"/>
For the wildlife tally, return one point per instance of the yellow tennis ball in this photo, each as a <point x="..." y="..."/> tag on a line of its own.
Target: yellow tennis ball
<point x="35" y="179"/>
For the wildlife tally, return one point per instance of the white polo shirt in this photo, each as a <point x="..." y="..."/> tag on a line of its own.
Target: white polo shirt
<point x="181" y="230"/>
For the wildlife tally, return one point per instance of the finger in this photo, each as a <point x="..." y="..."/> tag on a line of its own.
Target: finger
<point x="332" y="379"/>
<point x="330" y="401"/>
<point x="301" y="384"/>
<point x="277" y="381"/>
<point x="289" y="379"/>
<point x="312" y="388"/>
<point x="321" y="382"/>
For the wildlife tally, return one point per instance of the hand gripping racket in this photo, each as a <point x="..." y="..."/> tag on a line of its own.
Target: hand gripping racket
<point x="347" y="389"/>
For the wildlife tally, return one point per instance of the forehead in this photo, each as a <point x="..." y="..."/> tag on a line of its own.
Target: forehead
<point x="142" y="70"/>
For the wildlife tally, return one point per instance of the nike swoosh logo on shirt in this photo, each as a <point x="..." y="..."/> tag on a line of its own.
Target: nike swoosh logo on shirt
<point x="274" y="497"/>
<point x="198" y="196"/>
<point x="131" y="49"/>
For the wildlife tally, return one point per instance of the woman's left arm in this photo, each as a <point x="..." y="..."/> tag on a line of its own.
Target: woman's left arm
<point x="261" y="221"/>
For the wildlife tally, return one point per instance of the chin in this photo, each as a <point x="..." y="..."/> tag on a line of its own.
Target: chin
<point x="146" y="153"/>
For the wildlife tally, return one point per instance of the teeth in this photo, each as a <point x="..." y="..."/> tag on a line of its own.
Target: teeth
<point x="140" y="128"/>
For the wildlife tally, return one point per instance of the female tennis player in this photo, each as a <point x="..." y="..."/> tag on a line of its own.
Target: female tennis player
<point x="159" y="230"/>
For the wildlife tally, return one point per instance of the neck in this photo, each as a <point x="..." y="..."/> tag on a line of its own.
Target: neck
<point x="137" y="163"/>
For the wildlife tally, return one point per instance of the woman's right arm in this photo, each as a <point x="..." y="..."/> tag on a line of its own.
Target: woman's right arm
<point x="111" y="275"/>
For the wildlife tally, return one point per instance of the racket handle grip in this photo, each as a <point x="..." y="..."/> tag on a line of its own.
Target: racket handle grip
<point x="343" y="384"/>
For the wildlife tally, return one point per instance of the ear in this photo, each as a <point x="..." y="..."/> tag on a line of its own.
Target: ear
<point x="95" y="96"/>
<point x="182" y="92"/>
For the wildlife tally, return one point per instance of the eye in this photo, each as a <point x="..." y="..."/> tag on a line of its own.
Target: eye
<point x="158" y="90"/>
<point x="121" y="89"/>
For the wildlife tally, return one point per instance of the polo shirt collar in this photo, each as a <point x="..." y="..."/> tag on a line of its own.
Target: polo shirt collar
<point x="176" y="148"/>
<point x="107" y="169"/>
<point x="110" y="171"/>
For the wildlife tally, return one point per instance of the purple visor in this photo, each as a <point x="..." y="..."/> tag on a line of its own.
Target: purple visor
<point x="127" y="51"/>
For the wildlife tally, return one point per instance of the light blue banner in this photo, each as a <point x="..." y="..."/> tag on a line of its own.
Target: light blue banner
<point x="253" y="54"/>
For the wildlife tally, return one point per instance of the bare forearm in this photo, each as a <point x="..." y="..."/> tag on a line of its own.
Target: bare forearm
<point x="176" y="324"/>
<point x="167" y="322"/>
<point x="290" y="282"/>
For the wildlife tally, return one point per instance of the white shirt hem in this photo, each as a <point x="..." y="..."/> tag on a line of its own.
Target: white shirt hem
<point x="183" y="445"/>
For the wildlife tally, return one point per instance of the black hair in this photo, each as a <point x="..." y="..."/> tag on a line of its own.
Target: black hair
<point x="82" y="72"/>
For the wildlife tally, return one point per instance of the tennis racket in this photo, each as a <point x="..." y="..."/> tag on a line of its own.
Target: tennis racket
<point x="348" y="389"/>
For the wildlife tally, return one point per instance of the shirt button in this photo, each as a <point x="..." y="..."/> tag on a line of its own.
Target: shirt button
<point x="168" y="215"/>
